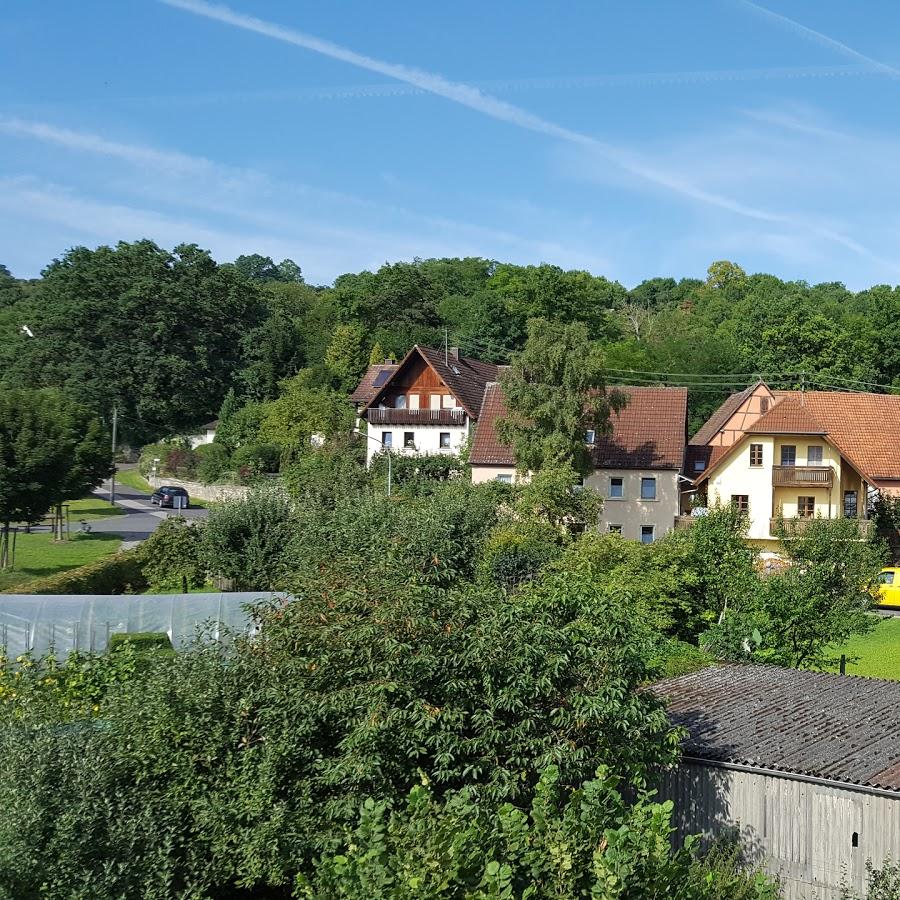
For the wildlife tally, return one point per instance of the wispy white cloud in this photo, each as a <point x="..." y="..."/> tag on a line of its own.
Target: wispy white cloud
<point x="473" y="98"/>
<point x="252" y="197"/>
<point x="818" y="37"/>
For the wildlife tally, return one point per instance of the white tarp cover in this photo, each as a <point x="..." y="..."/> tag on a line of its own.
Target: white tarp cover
<point x="67" y="622"/>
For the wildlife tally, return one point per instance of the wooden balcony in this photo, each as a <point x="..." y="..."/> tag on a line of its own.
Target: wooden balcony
<point x="416" y="416"/>
<point x="802" y="476"/>
<point x="796" y="527"/>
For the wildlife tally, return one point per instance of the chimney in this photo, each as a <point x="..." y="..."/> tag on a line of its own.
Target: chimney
<point x="390" y="362"/>
<point x="453" y="353"/>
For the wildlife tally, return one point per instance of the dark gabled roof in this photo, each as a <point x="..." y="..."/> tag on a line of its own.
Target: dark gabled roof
<point x="716" y="422"/>
<point x="464" y="377"/>
<point x="647" y="434"/>
<point x="840" y="728"/>
<point x="210" y="426"/>
<point x="372" y="381"/>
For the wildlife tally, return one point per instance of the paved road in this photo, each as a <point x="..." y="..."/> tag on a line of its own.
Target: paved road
<point x="141" y="517"/>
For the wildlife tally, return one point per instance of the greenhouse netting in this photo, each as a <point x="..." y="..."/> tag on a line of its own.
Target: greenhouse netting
<point x="66" y="622"/>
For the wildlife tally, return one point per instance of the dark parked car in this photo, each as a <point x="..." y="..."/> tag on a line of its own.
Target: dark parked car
<point x="172" y="497"/>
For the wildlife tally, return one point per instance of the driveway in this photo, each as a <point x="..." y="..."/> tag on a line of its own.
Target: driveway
<point x="141" y="517"/>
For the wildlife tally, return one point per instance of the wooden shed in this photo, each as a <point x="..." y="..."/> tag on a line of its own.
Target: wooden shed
<point x="802" y="767"/>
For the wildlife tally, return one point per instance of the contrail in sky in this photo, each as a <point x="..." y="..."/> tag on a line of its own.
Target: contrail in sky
<point x="473" y="98"/>
<point x="812" y="35"/>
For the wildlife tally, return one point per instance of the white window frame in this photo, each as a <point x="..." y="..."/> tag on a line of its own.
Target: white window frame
<point x="448" y="401"/>
<point x="434" y="401"/>
<point x="412" y="444"/>
<point x="400" y="401"/>
<point x="609" y="487"/>
<point x="413" y="401"/>
<point x="614" y="528"/>
<point x="821" y="452"/>
<point x="652" y="534"/>
<point x="389" y="443"/>
<point x="504" y="477"/>
<point x="590" y="436"/>
<point x="441" y="436"/>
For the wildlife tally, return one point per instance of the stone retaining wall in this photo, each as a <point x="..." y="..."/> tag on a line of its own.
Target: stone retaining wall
<point x="206" y="492"/>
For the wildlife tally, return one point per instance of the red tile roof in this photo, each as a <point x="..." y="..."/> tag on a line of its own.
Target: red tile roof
<point x="863" y="427"/>
<point x="366" y="389"/>
<point x="649" y="433"/>
<point x="790" y="415"/>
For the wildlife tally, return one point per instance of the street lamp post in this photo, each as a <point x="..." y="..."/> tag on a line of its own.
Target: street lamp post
<point x="387" y="451"/>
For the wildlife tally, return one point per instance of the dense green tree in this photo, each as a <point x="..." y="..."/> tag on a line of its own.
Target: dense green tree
<point x="51" y="449"/>
<point x="256" y="267"/>
<point x="345" y="358"/>
<point x="556" y="392"/>
<point x="549" y="292"/>
<point x="304" y="414"/>
<point x="157" y="333"/>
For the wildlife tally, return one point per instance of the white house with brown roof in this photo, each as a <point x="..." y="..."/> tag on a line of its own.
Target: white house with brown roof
<point x="794" y="456"/>
<point x="637" y="466"/>
<point x="425" y="404"/>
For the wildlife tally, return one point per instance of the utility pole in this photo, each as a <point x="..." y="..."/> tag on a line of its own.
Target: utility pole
<point x="112" y="481"/>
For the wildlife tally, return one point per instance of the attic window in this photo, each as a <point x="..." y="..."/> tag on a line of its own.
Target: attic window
<point x="764" y="404"/>
<point x="699" y="465"/>
<point x="455" y="370"/>
<point x="590" y="436"/>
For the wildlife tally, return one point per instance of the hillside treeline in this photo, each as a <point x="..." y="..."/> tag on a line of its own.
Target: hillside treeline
<point x="165" y="335"/>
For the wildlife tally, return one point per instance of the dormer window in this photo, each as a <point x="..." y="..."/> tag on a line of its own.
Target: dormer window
<point x="590" y="436"/>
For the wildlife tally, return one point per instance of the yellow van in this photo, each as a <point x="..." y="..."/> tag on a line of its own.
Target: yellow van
<point x="889" y="586"/>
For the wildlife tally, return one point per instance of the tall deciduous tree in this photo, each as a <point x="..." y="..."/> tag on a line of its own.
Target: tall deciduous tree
<point x="157" y="333"/>
<point x="50" y="449"/>
<point x="556" y="392"/>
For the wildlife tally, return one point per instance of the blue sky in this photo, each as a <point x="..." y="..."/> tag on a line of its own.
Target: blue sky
<point x="631" y="139"/>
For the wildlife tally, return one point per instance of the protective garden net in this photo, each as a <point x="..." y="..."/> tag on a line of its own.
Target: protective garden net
<point x="35" y="623"/>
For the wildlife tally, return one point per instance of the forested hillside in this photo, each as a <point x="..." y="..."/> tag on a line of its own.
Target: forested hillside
<point x="166" y="336"/>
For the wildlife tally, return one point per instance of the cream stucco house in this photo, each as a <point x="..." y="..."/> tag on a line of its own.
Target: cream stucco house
<point x="637" y="466"/>
<point x="795" y="456"/>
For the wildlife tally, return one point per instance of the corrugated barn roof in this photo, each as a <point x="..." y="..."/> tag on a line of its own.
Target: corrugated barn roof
<point x="841" y="728"/>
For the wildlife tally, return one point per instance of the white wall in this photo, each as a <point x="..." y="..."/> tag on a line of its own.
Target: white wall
<point x="480" y="474"/>
<point x="427" y="438"/>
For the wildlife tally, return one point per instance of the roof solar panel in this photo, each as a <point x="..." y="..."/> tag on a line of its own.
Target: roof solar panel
<point x="381" y="378"/>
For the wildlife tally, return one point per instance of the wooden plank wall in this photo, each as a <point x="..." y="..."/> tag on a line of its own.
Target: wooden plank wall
<point x="801" y="832"/>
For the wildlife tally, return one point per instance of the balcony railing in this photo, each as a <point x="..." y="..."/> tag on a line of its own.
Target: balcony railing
<point x="796" y="527"/>
<point x="416" y="416"/>
<point x="802" y="476"/>
<point x="683" y="522"/>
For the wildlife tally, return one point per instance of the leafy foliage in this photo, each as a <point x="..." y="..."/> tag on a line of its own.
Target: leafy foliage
<point x="246" y="541"/>
<point x="555" y="393"/>
<point x="568" y="844"/>
<point x="171" y="556"/>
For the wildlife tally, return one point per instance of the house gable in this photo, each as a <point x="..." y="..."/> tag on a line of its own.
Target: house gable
<point x="735" y="415"/>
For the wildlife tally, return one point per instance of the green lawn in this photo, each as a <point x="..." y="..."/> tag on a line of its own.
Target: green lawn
<point x="91" y="508"/>
<point x="878" y="651"/>
<point x="37" y="556"/>
<point x="133" y="479"/>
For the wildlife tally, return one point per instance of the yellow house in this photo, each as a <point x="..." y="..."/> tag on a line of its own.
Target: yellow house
<point x="795" y="456"/>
